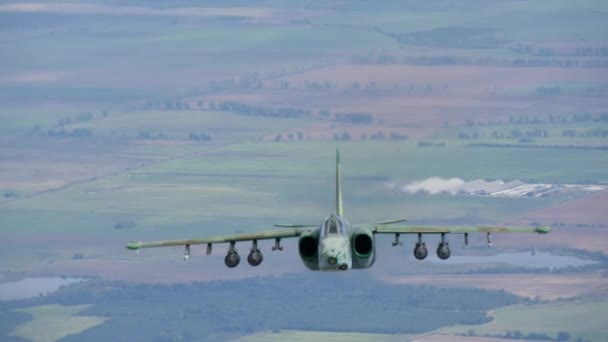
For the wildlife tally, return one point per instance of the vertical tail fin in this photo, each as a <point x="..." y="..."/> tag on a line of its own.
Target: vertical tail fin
<point x="339" y="209"/>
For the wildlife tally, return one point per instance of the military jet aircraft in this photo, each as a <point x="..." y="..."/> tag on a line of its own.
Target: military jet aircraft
<point x="335" y="245"/>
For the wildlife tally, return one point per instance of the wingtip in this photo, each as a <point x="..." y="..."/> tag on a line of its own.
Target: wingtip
<point x="543" y="229"/>
<point x="133" y="245"/>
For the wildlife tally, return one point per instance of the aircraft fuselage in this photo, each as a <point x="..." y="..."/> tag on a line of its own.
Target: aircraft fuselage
<point x="335" y="252"/>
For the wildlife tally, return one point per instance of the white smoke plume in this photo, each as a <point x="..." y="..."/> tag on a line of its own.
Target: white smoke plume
<point x="435" y="185"/>
<point x="494" y="188"/>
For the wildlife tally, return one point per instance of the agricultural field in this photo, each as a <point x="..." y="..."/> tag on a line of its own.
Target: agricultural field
<point x="581" y="319"/>
<point x="545" y="287"/>
<point x="293" y="335"/>
<point x="54" y="322"/>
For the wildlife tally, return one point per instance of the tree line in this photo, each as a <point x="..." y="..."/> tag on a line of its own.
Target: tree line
<point x="301" y="302"/>
<point x="532" y="336"/>
<point x="543" y="119"/>
<point x="446" y="60"/>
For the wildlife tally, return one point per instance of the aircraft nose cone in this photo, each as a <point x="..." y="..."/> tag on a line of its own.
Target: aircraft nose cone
<point x="332" y="256"/>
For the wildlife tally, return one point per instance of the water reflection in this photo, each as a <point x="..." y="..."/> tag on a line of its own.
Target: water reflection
<point x="32" y="287"/>
<point x="519" y="259"/>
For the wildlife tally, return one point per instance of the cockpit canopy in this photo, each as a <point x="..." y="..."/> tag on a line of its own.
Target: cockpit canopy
<point x="334" y="225"/>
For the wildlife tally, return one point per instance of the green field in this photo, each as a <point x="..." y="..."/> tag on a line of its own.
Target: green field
<point x="580" y="319"/>
<point x="54" y="322"/>
<point x="296" y="336"/>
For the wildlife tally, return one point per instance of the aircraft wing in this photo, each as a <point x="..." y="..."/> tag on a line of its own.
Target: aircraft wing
<point x="295" y="225"/>
<point x="407" y="229"/>
<point x="262" y="235"/>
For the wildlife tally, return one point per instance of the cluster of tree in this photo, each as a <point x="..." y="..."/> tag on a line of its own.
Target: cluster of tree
<point x="529" y="49"/>
<point x="593" y="91"/>
<point x="360" y="86"/>
<point x="252" y="81"/>
<point x="167" y="105"/>
<point x="355" y="118"/>
<point x="540" y="120"/>
<point x="518" y="335"/>
<point x="9" y="194"/>
<point x="543" y="51"/>
<point x="590" y="51"/>
<point x="313" y="85"/>
<point x="125" y="225"/>
<point x="518" y="134"/>
<point x="554" y="147"/>
<point x="572" y="62"/>
<point x="202" y="136"/>
<point x="397" y="136"/>
<point x="290" y="136"/>
<point x="151" y="136"/>
<point x="424" y="143"/>
<point x="467" y="136"/>
<point x="589" y="133"/>
<point x="368" y="87"/>
<point x="548" y="91"/>
<point x="324" y="113"/>
<point x="377" y="136"/>
<point x="82" y="117"/>
<point x="302" y="302"/>
<point x="245" y="109"/>
<point x="581" y="253"/>
<point x="344" y="136"/>
<point x="510" y="269"/>
<point x="559" y="62"/>
<point x="393" y="136"/>
<point x="80" y="133"/>
<point x="422" y="60"/>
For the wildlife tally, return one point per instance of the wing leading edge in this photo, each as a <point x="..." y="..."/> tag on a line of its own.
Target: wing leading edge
<point x="263" y="235"/>
<point x="402" y="229"/>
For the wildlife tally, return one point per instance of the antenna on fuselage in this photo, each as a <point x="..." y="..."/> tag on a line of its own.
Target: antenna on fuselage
<point x="339" y="209"/>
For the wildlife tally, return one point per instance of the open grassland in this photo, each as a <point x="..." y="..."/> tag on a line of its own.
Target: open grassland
<point x="119" y="141"/>
<point x="297" y="335"/>
<point x="580" y="319"/>
<point x="42" y="164"/>
<point x="399" y="160"/>
<point x="585" y="211"/>
<point x="54" y="322"/>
